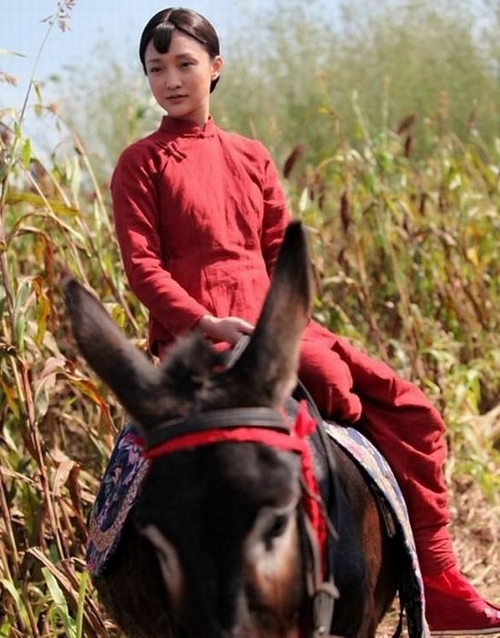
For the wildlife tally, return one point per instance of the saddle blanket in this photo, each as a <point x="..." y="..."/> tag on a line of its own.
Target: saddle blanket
<point x="384" y="485"/>
<point x="127" y="469"/>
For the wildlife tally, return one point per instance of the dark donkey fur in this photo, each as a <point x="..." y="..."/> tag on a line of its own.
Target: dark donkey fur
<point x="213" y="548"/>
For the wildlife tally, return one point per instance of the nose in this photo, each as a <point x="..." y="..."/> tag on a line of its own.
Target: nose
<point x="172" y="80"/>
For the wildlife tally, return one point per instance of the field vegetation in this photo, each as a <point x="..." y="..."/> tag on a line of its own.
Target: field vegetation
<point x="384" y="122"/>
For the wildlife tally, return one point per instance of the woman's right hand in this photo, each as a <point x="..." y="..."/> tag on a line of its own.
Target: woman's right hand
<point x="227" y="329"/>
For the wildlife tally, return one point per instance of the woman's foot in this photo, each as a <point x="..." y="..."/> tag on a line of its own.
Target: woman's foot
<point x="454" y="607"/>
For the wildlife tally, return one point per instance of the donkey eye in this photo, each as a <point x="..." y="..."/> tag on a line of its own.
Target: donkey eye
<point x="277" y="527"/>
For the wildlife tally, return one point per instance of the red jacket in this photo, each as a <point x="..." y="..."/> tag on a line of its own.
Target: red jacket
<point x="199" y="215"/>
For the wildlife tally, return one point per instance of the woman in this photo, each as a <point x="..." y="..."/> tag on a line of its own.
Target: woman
<point x="199" y="216"/>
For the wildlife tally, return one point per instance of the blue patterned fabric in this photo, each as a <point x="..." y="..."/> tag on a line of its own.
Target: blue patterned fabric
<point x="382" y="480"/>
<point x="117" y="494"/>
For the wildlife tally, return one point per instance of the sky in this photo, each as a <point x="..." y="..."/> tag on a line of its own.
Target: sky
<point x="117" y="22"/>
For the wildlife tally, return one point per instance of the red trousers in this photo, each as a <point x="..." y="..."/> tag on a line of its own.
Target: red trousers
<point x="396" y="416"/>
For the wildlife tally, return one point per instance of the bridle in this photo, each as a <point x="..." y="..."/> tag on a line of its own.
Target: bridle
<point x="204" y="421"/>
<point x="269" y="427"/>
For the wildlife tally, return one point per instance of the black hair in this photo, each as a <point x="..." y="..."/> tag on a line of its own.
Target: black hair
<point x="160" y="28"/>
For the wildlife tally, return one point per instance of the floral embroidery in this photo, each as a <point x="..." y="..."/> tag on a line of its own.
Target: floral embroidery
<point x="117" y="494"/>
<point x="383" y="482"/>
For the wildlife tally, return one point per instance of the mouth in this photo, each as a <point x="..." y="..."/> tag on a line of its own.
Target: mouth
<point x="175" y="98"/>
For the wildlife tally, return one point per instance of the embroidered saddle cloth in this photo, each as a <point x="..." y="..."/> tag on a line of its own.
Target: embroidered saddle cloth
<point x="383" y="482"/>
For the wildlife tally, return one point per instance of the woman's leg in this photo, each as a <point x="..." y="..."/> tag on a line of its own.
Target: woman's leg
<point x="408" y="430"/>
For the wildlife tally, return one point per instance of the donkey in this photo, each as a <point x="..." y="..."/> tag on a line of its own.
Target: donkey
<point x="219" y="543"/>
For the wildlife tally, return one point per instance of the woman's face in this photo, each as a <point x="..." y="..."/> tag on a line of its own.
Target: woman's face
<point x="180" y="79"/>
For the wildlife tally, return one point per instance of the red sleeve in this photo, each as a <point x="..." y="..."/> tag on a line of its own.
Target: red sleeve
<point x="135" y="210"/>
<point x="276" y="214"/>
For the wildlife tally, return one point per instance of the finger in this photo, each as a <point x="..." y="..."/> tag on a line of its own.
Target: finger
<point x="246" y="327"/>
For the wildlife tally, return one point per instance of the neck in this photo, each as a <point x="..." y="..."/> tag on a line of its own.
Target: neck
<point x="199" y="122"/>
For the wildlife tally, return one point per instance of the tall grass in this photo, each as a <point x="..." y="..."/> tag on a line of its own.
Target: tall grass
<point x="405" y="252"/>
<point x="57" y="424"/>
<point x="406" y="259"/>
<point x="392" y="58"/>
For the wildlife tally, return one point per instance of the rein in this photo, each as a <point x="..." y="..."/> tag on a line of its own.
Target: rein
<point x="268" y="427"/>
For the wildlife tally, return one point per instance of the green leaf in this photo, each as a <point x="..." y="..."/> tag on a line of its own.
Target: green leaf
<point x="15" y="594"/>
<point x="26" y="152"/>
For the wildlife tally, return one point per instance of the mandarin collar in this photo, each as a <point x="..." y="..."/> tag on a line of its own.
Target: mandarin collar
<point x="183" y="127"/>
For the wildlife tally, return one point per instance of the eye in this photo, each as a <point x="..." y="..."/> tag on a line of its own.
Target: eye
<point x="276" y="528"/>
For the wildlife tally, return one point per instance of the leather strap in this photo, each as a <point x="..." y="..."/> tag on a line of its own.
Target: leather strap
<point x="229" y="418"/>
<point x="322" y="593"/>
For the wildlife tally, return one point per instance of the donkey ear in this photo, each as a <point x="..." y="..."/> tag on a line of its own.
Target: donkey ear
<point x="127" y="371"/>
<point x="273" y="351"/>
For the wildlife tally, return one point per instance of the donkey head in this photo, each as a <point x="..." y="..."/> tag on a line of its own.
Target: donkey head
<point x="222" y="517"/>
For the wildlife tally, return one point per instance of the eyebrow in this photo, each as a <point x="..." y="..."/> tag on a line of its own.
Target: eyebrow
<point x="187" y="54"/>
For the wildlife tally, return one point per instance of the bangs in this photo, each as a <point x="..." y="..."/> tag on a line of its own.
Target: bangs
<point x="162" y="37"/>
<point x="160" y="28"/>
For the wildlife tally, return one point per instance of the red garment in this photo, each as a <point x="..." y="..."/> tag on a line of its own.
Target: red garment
<point x="401" y="422"/>
<point x="200" y="216"/>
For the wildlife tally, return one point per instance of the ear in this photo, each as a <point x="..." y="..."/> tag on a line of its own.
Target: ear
<point x="272" y="356"/>
<point x="133" y="378"/>
<point x="217" y="65"/>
